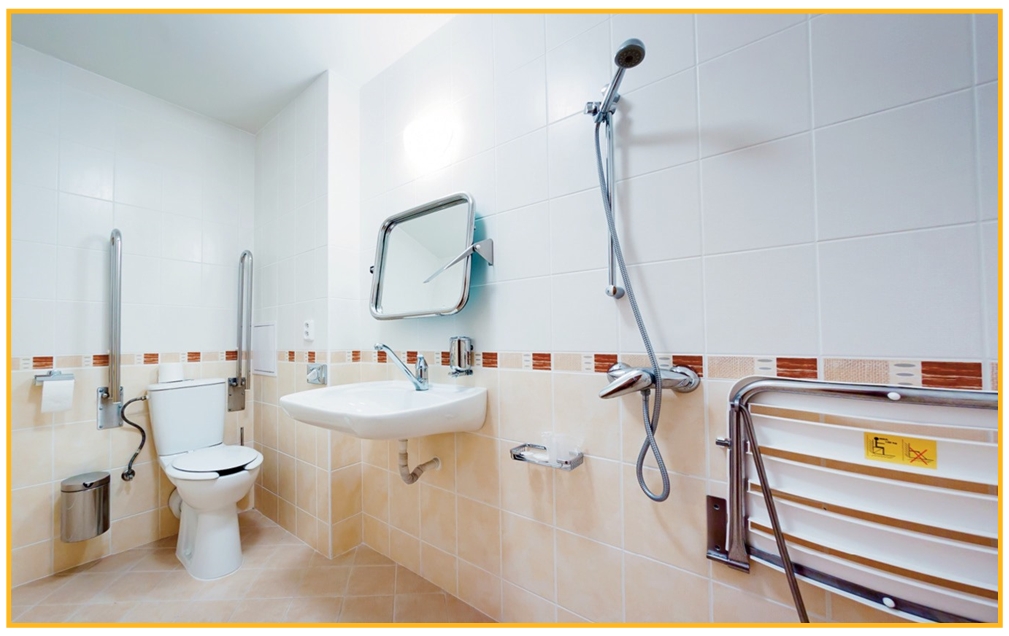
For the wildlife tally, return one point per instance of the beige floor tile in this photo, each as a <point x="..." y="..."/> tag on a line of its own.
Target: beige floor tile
<point x="315" y="610"/>
<point x="101" y="612"/>
<point x="324" y="581"/>
<point x="457" y="611"/>
<point x="80" y="588"/>
<point x="261" y="611"/>
<point x="48" y="614"/>
<point x="435" y="608"/>
<point x="131" y="586"/>
<point x="178" y="585"/>
<point x="18" y="610"/>
<point x="161" y="560"/>
<point x="409" y="583"/>
<point x="120" y="562"/>
<point x="231" y="587"/>
<point x="367" y="556"/>
<point x="290" y="556"/>
<point x="181" y="612"/>
<point x="372" y="580"/>
<point x="368" y="609"/>
<point x="256" y="556"/>
<point x="32" y="593"/>
<point x="275" y="584"/>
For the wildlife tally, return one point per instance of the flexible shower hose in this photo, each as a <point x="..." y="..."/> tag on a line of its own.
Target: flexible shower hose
<point x="652" y="423"/>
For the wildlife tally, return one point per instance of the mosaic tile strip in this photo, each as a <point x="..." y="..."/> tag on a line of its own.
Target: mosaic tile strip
<point x="856" y="370"/>
<point x="69" y="362"/>
<point x="952" y="375"/>
<point x="511" y="360"/>
<point x="730" y="367"/>
<point x="994" y="376"/>
<point x="802" y="368"/>
<point x="567" y="362"/>
<point x="170" y="357"/>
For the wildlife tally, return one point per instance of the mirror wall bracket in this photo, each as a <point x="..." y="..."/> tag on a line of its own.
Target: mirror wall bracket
<point x="484" y="248"/>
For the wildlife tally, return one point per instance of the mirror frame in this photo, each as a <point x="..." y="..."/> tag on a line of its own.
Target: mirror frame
<point x="383" y="239"/>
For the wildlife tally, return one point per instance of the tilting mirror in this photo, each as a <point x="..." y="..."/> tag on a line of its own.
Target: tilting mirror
<point x="422" y="261"/>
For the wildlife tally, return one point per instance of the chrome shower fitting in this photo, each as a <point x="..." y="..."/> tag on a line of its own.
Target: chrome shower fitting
<point x="626" y="379"/>
<point x="419" y="380"/>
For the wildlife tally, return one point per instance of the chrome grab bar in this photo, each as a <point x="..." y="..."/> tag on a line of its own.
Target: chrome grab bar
<point x="110" y="398"/>
<point x="238" y="384"/>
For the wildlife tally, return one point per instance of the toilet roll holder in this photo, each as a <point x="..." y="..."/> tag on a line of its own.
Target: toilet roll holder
<point x="54" y="375"/>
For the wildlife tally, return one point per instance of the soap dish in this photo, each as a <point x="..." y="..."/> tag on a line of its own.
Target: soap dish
<point x="537" y="454"/>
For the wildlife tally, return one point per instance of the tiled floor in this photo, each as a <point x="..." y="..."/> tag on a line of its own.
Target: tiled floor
<point x="282" y="580"/>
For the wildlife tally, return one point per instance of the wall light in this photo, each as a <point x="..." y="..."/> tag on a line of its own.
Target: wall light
<point x="428" y="138"/>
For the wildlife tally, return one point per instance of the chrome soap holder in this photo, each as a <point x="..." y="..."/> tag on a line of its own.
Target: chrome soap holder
<point x="528" y="453"/>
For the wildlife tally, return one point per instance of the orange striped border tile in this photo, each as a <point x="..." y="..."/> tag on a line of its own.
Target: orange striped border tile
<point x="355" y="356"/>
<point x="193" y="356"/>
<point x="311" y="357"/>
<point x="603" y="361"/>
<point x="445" y="359"/>
<point x="231" y="355"/>
<point x="951" y="375"/>
<point x="100" y="360"/>
<point x="489" y="359"/>
<point x="151" y="358"/>
<point x="290" y="356"/>
<point x="802" y="368"/>
<point x="381" y="356"/>
<point x="42" y="362"/>
<point x="542" y="362"/>
<point x="411" y="357"/>
<point x="694" y="362"/>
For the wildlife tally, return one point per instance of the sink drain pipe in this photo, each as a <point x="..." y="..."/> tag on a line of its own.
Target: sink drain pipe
<point x="404" y="465"/>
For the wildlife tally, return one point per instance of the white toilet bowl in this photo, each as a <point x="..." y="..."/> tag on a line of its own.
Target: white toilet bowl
<point x="210" y="476"/>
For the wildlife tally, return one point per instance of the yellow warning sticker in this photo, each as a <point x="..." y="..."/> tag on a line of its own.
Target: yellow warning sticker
<point x="896" y="449"/>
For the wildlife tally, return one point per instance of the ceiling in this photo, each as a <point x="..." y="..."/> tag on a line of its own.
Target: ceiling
<point x="241" y="69"/>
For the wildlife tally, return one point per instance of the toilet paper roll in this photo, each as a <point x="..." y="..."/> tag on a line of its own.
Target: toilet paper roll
<point x="170" y="372"/>
<point x="57" y="395"/>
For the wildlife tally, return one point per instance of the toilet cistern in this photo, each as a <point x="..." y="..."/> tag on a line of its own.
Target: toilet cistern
<point x="419" y="378"/>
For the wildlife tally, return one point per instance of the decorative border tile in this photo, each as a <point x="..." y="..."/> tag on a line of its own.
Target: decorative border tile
<point x="193" y="356"/>
<point x="803" y="368"/>
<point x="952" y="375"/>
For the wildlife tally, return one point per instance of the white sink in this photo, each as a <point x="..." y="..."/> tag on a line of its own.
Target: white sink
<point x="390" y="410"/>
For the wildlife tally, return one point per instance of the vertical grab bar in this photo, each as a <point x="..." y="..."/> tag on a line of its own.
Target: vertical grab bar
<point x="110" y="398"/>
<point x="238" y="384"/>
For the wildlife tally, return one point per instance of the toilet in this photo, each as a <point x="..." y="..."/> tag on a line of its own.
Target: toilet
<point x="211" y="477"/>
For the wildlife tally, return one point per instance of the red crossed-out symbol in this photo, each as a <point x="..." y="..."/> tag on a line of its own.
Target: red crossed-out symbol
<point x="918" y="455"/>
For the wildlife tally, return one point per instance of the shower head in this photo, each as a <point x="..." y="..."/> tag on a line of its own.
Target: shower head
<point x="630" y="53"/>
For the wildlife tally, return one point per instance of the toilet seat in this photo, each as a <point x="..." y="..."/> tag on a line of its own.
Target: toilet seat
<point x="212" y="462"/>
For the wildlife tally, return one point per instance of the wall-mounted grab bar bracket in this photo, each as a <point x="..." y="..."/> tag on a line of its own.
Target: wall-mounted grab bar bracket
<point x="236" y="394"/>
<point x="109" y="412"/>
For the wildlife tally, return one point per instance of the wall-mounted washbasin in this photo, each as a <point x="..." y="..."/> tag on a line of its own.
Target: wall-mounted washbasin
<point x="390" y="410"/>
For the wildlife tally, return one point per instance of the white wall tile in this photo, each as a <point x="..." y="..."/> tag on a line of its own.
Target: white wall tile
<point x="142" y="329"/>
<point x="985" y="47"/>
<point x="521" y="101"/>
<point x="582" y="318"/>
<point x="179" y="325"/>
<point x="719" y="33"/>
<point x="656" y="126"/>
<point x="35" y="101"/>
<point x="988" y="155"/>
<point x="33" y="213"/>
<point x="572" y="156"/>
<point x="518" y="39"/>
<point x="86" y="171"/>
<point x="761" y="196"/>
<point x="86" y="119"/>
<point x="755" y="94"/>
<point x="141" y="229"/>
<point x="34" y="157"/>
<point x="914" y="295"/>
<point x="474" y="71"/>
<point x="522" y="171"/>
<point x="521" y="243"/>
<point x="181" y="283"/>
<point x="286" y="281"/>
<point x="561" y="27"/>
<point x="866" y="63"/>
<point x="579" y="239"/>
<point x="668" y="40"/>
<point x="138" y="183"/>
<point x="659" y="215"/>
<point x="671" y="298"/>
<point x="219" y="285"/>
<point x="32" y="327"/>
<point x="89" y="330"/>
<point x="82" y="274"/>
<point x="762" y="302"/>
<point x="990" y="274"/>
<point x="902" y="169"/>
<point x="33" y="270"/>
<point x="84" y="223"/>
<point x="141" y="280"/>
<point x="576" y="70"/>
<point x="220" y="244"/>
<point x="475" y="131"/>
<point x="509" y="316"/>
<point x="305" y="275"/>
<point x="181" y="238"/>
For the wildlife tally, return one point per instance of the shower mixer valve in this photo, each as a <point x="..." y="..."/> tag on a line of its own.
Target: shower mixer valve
<point x="626" y="379"/>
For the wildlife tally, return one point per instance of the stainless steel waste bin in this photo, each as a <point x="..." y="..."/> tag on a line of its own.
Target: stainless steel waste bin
<point x="84" y="507"/>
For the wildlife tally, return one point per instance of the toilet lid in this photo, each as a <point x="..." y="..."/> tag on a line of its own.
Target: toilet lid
<point x="215" y="459"/>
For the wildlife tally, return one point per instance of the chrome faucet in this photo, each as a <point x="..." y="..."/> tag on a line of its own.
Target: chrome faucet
<point x="419" y="378"/>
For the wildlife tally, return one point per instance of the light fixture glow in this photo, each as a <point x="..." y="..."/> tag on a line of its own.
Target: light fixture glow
<point x="428" y="138"/>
